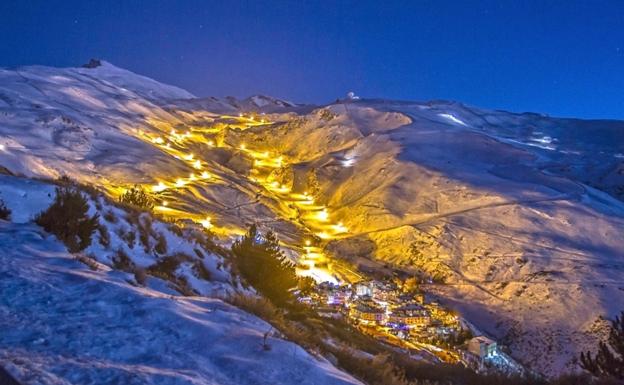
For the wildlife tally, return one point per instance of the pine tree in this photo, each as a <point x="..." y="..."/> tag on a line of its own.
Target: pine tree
<point x="263" y="265"/>
<point x="609" y="360"/>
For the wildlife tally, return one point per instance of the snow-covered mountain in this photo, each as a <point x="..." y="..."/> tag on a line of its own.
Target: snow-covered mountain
<point x="518" y="217"/>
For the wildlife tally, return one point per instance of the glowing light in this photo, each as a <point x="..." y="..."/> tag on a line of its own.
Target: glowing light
<point x="159" y="187"/>
<point x="323" y="235"/>
<point x="197" y="164"/>
<point x="158" y="140"/>
<point x="165" y="203"/>
<point x="167" y="146"/>
<point x="340" y="228"/>
<point x="205" y="175"/>
<point x="210" y="143"/>
<point x="192" y="177"/>
<point x="242" y="146"/>
<point x="322" y="215"/>
<point x="180" y="182"/>
<point x="348" y="162"/>
<point x="240" y="115"/>
<point x="189" y="157"/>
<point x="2" y="147"/>
<point x="206" y="222"/>
<point x="308" y="242"/>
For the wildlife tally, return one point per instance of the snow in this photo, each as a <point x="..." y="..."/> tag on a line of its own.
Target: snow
<point x="63" y="323"/>
<point x="452" y="118"/>
<point x="521" y="213"/>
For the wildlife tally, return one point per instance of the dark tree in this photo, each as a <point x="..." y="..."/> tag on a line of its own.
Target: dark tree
<point x="609" y="360"/>
<point x="263" y="265"/>
<point x="68" y="219"/>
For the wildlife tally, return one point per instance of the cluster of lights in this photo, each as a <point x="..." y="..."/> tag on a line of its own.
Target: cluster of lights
<point x="206" y="222"/>
<point x="159" y="187"/>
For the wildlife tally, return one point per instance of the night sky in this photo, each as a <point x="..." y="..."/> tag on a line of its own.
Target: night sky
<point x="563" y="58"/>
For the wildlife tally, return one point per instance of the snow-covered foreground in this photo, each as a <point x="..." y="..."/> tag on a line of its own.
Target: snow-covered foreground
<point x="521" y="215"/>
<point x="63" y="323"/>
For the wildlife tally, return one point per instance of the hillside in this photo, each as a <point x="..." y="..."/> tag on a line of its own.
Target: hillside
<point x="64" y="321"/>
<point x="517" y="218"/>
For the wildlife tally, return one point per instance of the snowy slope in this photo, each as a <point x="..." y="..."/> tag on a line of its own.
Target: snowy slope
<point x="519" y="214"/>
<point x="63" y="323"/>
<point x="498" y="205"/>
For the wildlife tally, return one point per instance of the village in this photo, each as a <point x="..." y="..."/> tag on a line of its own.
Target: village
<point x="396" y="312"/>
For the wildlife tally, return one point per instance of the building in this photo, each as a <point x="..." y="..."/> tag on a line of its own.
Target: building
<point x="337" y="297"/>
<point x="413" y="315"/>
<point x="364" y="289"/>
<point x="385" y="291"/>
<point x="483" y="347"/>
<point x="367" y="314"/>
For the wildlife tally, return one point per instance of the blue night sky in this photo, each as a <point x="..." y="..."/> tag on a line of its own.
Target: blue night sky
<point x="563" y="58"/>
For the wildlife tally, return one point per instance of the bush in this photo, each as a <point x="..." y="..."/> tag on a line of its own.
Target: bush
<point x="104" y="236"/>
<point x="258" y="306"/>
<point x="109" y="216"/>
<point x="200" y="271"/>
<point x="5" y="212"/>
<point x="166" y="267"/>
<point x="161" y="245"/>
<point x="140" y="276"/>
<point x="67" y="219"/>
<point x="137" y="197"/>
<point x="145" y="231"/>
<point x="121" y="261"/>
